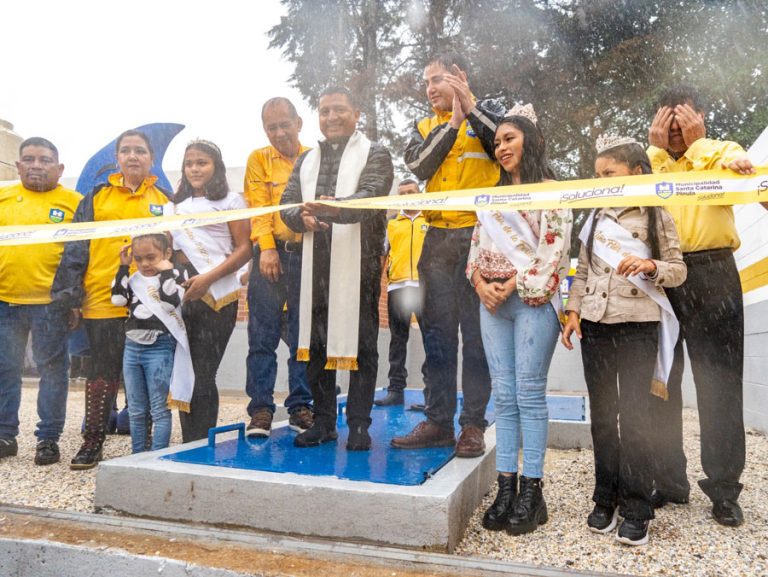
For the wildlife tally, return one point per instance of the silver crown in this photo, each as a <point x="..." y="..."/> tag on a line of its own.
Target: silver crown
<point x="608" y="141"/>
<point x="524" y="110"/>
<point x="204" y="142"/>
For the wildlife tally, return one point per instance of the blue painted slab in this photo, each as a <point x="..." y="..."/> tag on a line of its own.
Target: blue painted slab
<point x="381" y="464"/>
<point x="567" y="407"/>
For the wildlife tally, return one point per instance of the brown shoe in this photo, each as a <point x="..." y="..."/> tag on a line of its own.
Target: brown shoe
<point x="424" y="436"/>
<point x="261" y="424"/>
<point x="301" y="419"/>
<point x="471" y="442"/>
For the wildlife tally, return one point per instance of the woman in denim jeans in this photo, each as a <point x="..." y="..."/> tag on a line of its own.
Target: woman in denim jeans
<point x="619" y="327"/>
<point x="149" y="346"/>
<point x="516" y="262"/>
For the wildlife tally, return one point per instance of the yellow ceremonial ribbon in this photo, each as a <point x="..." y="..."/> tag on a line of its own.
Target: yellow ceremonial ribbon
<point x="714" y="187"/>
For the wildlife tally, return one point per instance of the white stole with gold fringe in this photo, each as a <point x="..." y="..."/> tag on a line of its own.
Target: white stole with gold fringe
<point x="612" y="242"/>
<point x="204" y="253"/>
<point x="344" y="281"/>
<point x="183" y="375"/>
<point x="515" y="239"/>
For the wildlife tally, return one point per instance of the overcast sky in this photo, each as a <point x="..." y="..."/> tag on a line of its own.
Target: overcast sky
<point x="79" y="73"/>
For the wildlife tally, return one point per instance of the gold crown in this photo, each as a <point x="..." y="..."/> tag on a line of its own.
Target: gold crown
<point x="524" y="110"/>
<point x="608" y="141"/>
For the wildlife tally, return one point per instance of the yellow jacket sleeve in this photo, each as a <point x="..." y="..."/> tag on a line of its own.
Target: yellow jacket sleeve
<point x="257" y="193"/>
<point x="704" y="154"/>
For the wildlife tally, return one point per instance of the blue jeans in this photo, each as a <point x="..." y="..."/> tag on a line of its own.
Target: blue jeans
<point x="265" y="312"/>
<point x="519" y="343"/>
<point x="49" y="328"/>
<point x="147" y="373"/>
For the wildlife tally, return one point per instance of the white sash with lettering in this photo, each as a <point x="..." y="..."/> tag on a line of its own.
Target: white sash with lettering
<point x="344" y="282"/>
<point x="205" y="254"/>
<point x="183" y="375"/>
<point x="612" y="242"/>
<point x="515" y="239"/>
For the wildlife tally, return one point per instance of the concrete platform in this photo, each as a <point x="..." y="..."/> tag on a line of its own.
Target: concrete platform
<point x="384" y="496"/>
<point x="431" y="515"/>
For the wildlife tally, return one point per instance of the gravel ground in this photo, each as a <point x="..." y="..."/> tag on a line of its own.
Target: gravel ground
<point x="684" y="539"/>
<point x="58" y="487"/>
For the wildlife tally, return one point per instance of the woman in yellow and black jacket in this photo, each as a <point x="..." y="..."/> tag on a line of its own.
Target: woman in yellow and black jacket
<point x="83" y="280"/>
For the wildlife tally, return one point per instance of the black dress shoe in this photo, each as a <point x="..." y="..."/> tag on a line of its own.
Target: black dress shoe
<point x="359" y="439"/>
<point x="392" y="398"/>
<point x="316" y="435"/>
<point x="88" y="456"/>
<point x="47" y="452"/>
<point x="727" y="512"/>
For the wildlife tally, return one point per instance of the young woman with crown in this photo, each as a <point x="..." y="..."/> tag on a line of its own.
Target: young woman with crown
<point x="618" y="309"/>
<point x="211" y="256"/>
<point x="516" y="262"/>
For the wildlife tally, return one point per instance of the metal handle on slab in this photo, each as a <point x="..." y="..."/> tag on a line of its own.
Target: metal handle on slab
<point x="212" y="432"/>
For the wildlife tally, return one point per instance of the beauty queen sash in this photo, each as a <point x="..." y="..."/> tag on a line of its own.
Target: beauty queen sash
<point x="183" y="375"/>
<point x="205" y="254"/>
<point x="344" y="281"/>
<point x="612" y="242"/>
<point x="514" y="237"/>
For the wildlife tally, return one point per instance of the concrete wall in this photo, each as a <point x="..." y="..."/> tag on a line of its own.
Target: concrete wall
<point x="9" y="150"/>
<point x="756" y="366"/>
<point x="566" y="373"/>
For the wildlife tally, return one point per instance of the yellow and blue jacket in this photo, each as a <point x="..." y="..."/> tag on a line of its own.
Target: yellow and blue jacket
<point x="406" y="238"/>
<point x="84" y="277"/>
<point x="455" y="159"/>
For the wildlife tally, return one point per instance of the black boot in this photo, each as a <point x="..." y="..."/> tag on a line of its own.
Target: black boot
<point x="392" y="398"/>
<point x="530" y="510"/>
<point x="317" y="434"/>
<point x="497" y="515"/>
<point x="99" y="398"/>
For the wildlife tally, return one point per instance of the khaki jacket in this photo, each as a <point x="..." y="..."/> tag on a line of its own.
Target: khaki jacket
<point x="599" y="294"/>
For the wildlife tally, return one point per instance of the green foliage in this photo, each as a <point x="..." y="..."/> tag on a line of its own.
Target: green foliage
<point x="588" y="66"/>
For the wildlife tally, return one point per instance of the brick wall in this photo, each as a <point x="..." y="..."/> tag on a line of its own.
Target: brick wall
<point x="242" y="306"/>
<point x="383" y="314"/>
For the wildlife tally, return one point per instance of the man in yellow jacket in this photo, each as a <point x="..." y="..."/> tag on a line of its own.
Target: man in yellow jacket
<point x="448" y="152"/>
<point x="711" y="313"/>
<point x="26" y="274"/>
<point x="405" y="237"/>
